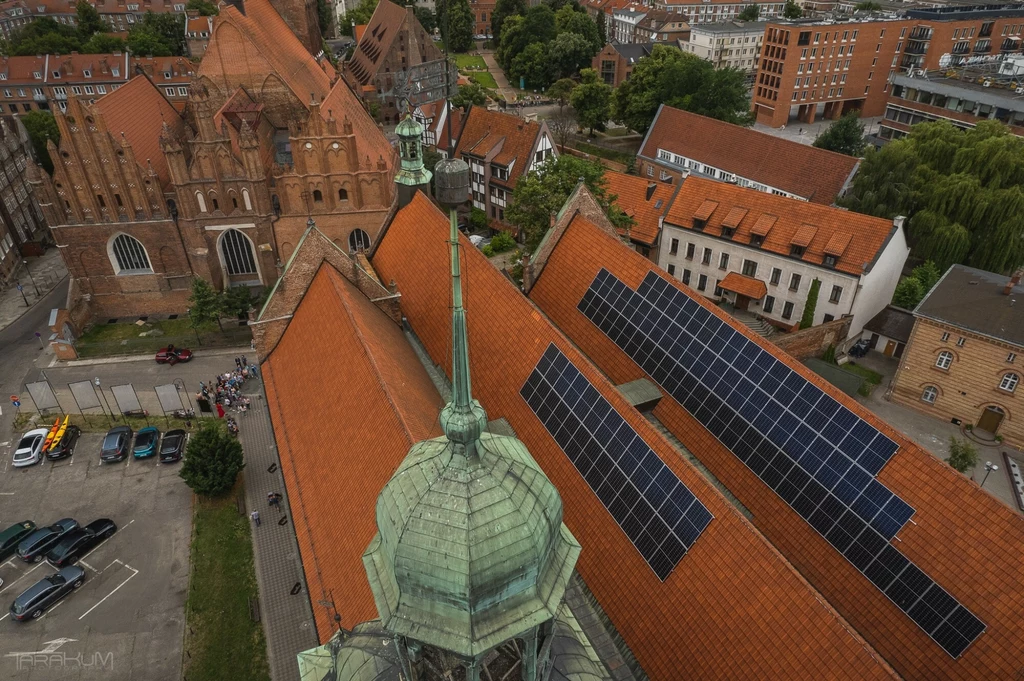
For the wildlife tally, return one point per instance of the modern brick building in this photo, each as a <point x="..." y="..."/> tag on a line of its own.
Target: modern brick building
<point x="615" y="61"/>
<point x="680" y="143"/>
<point x="961" y="364"/>
<point x="824" y="69"/>
<point x="761" y="253"/>
<point x="483" y="11"/>
<point x="729" y="43"/>
<point x="500" y="148"/>
<point x="142" y="200"/>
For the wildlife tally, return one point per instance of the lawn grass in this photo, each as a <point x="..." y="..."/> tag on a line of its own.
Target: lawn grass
<point x="610" y="154"/>
<point x="222" y="642"/>
<point x="104" y="340"/>
<point x="470" y="61"/>
<point x="101" y="423"/>
<point x="871" y="378"/>
<point x="484" y="79"/>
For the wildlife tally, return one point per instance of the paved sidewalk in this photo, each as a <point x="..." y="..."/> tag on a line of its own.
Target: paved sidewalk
<point x="287" y="618"/>
<point x="795" y="131"/>
<point x="499" y="77"/>
<point x="46" y="271"/>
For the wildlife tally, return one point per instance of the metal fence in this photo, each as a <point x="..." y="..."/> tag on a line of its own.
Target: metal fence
<point x="231" y="337"/>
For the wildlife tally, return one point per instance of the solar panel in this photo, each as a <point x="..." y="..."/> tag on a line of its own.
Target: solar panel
<point x="817" y="455"/>
<point x="653" y="507"/>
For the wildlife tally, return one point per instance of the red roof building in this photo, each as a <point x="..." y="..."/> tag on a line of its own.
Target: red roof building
<point x="646" y="202"/>
<point x="964" y="539"/>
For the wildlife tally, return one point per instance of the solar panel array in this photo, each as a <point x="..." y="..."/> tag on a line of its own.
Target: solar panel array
<point x="813" y="452"/>
<point x="653" y="507"/>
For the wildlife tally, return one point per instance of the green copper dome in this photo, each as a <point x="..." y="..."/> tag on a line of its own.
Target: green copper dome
<point x="410" y="148"/>
<point x="471" y="551"/>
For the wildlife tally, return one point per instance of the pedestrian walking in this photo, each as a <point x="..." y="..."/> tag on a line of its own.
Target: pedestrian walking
<point x="238" y="362"/>
<point x="255" y="515"/>
<point x="220" y="411"/>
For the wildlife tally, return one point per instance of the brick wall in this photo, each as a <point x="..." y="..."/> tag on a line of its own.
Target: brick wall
<point x="969" y="386"/>
<point x="813" y="342"/>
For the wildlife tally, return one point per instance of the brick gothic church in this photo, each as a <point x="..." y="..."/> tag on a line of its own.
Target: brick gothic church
<point x="143" y="198"/>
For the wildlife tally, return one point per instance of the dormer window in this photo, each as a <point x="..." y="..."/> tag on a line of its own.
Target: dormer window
<point x="3" y="76"/>
<point x="499" y="172"/>
<point x="756" y="240"/>
<point x="116" y="72"/>
<point x="167" y="75"/>
<point x="87" y="73"/>
<point x="37" y="75"/>
<point x="56" y="75"/>
<point x="133" y="8"/>
<point x="796" y="251"/>
<point x="727" y="232"/>
<point x="699" y="224"/>
<point x="830" y="261"/>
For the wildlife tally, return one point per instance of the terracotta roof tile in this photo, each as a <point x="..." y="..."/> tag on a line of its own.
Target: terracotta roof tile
<point x="138" y="109"/>
<point x="735" y="216"/>
<point x="485" y="131"/>
<point x="347" y="397"/>
<point x="793" y="216"/>
<point x="744" y="285"/>
<point x="961" y="535"/>
<point x="761" y="227"/>
<point x="375" y="40"/>
<point x="705" y="210"/>
<point x="342" y="103"/>
<point x="804" y="235"/>
<point x="814" y="174"/>
<point x="733" y="608"/>
<point x="837" y="243"/>
<point x="645" y="201"/>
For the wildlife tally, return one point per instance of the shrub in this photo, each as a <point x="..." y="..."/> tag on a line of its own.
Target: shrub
<point x="962" y="455"/>
<point x="502" y="242"/>
<point x="213" y="460"/>
<point x="488" y="250"/>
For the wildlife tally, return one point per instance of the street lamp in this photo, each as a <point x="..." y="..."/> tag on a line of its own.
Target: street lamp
<point x="989" y="467"/>
<point x="96" y="382"/>
<point x="25" y="263"/>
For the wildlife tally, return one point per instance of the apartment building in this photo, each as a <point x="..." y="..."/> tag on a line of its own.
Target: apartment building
<point x="762" y="253"/>
<point x="198" y="30"/>
<point x="680" y="143"/>
<point x="500" y="148"/>
<point x="615" y="61"/>
<point x="623" y="24"/>
<point x="711" y="11"/>
<point x="813" y="69"/>
<point x="661" y="26"/>
<point x="46" y="82"/>
<point x="121" y="15"/>
<point x="960" y="364"/>
<point x="962" y="95"/>
<point x="735" y="44"/>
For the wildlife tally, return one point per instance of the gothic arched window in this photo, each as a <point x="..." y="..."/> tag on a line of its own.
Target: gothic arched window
<point x="128" y="255"/>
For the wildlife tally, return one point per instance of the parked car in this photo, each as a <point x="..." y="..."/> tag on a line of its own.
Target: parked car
<point x="12" y="536"/>
<point x="146" y="442"/>
<point x="29" y="449"/>
<point x="46" y="593"/>
<point x="860" y="348"/>
<point x="32" y="548"/>
<point x="172" y="355"/>
<point x="76" y="543"/>
<point x="116" y="444"/>
<point x="66" y="446"/>
<point x="172" y="446"/>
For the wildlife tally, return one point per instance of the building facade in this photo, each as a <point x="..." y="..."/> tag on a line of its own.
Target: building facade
<point x="763" y="253"/>
<point x="810" y="70"/>
<point x="961" y="363"/>
<point x="661" y="26"/>
<point x="735" y="44"/>
<point x="717" y="10"/>
<point x="615" y="62"/>
<point x="483" y="11"/>
<point x="624" y="22"/>
<point x="119" y="14"/>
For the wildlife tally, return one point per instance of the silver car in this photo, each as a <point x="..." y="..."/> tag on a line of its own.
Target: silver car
<point x="29" y="450"/>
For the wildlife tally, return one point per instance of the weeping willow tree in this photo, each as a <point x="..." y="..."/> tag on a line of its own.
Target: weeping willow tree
<point x="960" y="190"/>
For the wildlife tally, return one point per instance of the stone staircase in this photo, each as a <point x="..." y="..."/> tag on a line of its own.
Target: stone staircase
<point x="755" y="323"/>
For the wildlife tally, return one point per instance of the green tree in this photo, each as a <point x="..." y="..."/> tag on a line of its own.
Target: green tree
<point x="591" y="100"/>
<point x="807" y="320"/>
<point x="206" y="304"/>
<point x="459" y="21"/>
<point x="561" y="90"/>
<point x="205" y="8"/>
<point x="571" y="20"/>
<point x="41" y="127"/>
<point x="569" y="52"/>
<point x="517" y="33"/>
<point x="928" y="274"/>
<point x="88" y="20"/>
<point x="543" y="191"/>
<point x="158" y="35"/>
<point x="685" y="81"/>
<point x="360" y="15"/>
<point x="469" y="94"/>
<point x="427" y="19"/>
<point x="325" y="17"/>
<point x="103" y="43"/>
<point x="238" y="300"/>
<point x="792" y="10"/>
<point x="867" y="6"/>
<point x="213" y="460"/>
<point x="908" y="293"/>
<point x="42" y="36"/>
<point x="845" y="136"/>
<point x="963" y="456"/>
<point x="749" y="13"/>
<point x="504" y="9"/>
<point x="602" y="27"/>
<point x="477" y="219"/>
<point x="533" y="66"/>
<point x="961" y="191"/>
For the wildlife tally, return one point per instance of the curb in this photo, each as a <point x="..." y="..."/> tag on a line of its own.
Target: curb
<point x="31" y="307"/>
<point x="139" y="358"/>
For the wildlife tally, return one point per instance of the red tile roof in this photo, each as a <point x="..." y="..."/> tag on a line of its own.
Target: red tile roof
<point x="347" y="397"/>
<point x="960" y="535"/>
<point x="744" y="285"/>
<point x="342" y="103"/>
<point x="373" y="44"/>
<point x="733" y="608"/>
<point x="513" y="138"/>
<point x="645" y="201"/>
<point x="139" y="110"/>
<point x="814" y="174"/>
<point x="783" y="222"/>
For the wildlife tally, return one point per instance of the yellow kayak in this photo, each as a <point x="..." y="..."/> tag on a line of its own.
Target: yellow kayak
<point x="51" y="434"/>
<point x="56" y="438"/>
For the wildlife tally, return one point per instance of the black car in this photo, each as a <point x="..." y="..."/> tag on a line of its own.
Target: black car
<point x="172" y="446"/>
<point x="66" y="446"/>
<point x="12" y="536"/>
<point x="46" y="593"/>
<point x="116" y="444"/>
<point x="76" y="543"/>
<point x="33" y="547"/>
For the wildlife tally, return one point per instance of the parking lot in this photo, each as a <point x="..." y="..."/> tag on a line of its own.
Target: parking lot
<point x="127" y="620"/>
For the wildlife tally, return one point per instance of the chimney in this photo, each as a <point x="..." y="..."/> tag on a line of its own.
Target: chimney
<point x="898" y="221"/>
<point x="651" y="186"/>
<point x="1014" y="280"/>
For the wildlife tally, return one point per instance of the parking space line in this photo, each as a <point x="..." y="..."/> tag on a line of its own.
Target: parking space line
<point x="82" y="562"/>
<point x="134" y="573"/>
<point x="23" y="576"/>
<point x="51" y="610"/>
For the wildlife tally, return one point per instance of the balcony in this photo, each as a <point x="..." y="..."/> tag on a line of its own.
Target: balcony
<point x="1010" y="45"/>
<point x="983" y="47"/>
<point x="961" y="48"/>
<point x="921" y="33"/>
<point x="916" y="47"/>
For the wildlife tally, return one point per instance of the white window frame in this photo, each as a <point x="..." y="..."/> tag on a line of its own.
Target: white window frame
<point x="1009" y="382"/>
<point x="944" y="360"/>
<point x="929" y="394"/>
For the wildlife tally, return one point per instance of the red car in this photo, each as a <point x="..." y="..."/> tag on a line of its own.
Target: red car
<point x="173" y="355"/>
